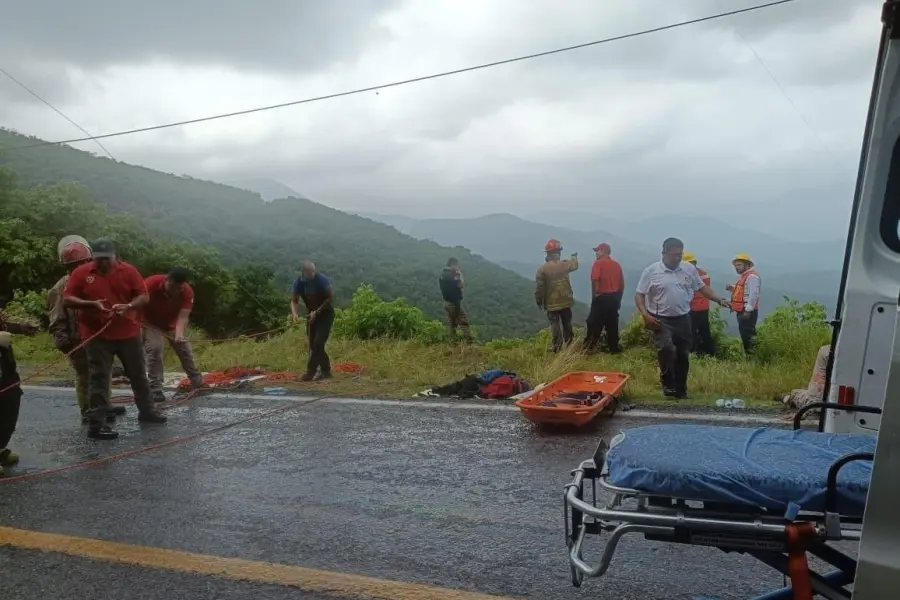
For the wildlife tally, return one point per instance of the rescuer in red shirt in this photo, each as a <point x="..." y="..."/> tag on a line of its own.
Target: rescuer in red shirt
<point x="108" y="290"/>
<point x="607" y="287"/>
<point x="166" y="317"/>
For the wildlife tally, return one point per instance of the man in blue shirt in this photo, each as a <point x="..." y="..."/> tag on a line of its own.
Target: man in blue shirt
<point x="317" y="293"/>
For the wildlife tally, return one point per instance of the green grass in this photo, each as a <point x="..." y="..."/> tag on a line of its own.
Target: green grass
<point x="402" y="352"/>
<point x="400" y="368"/>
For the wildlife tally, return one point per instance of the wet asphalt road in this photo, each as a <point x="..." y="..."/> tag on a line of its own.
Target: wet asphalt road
<point x="462" y="499"/>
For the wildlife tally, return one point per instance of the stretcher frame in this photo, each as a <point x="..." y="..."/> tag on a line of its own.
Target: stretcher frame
<point x="770" y="538"/>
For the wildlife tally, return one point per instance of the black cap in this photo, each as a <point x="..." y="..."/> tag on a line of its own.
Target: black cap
<point x="103" y="248"/>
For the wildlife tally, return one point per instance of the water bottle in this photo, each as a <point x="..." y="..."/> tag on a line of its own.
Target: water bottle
<point x="738" y="403"/>
<point x="720" y="403"/>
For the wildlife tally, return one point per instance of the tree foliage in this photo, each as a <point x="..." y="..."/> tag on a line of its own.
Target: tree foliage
<point x="351" y="250"/>
<point x="32" y="221"/>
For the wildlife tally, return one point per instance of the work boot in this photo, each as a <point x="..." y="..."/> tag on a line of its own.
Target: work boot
<point x="159" y="398"/>
<point x="323" y="375"/>
<point x="670" y="393"/>
<point x="307" y="377"/>
<point x="116" y="409"/>
<point x="102" y="432"/>
<point x="152" y="417"/>
<point x="8" y="457"/>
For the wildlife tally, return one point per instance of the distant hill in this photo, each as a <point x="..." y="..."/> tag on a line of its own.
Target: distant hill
<point x="351" y="249"/>
<point x="715" y="240"/>
<point x="268" y="189"/>
<point x="816" y="217"/>
<point x="518" y="245"/>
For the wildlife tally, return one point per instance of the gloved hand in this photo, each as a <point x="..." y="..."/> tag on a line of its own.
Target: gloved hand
<point x="5" y="339"/>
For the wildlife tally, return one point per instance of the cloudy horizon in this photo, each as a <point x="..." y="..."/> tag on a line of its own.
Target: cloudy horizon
<point x="766" y="107"/>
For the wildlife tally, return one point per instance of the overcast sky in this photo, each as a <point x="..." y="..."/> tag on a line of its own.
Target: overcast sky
<point x="687" y="119"/>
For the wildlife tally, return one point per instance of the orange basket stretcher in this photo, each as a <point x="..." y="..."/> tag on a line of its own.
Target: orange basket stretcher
<point x="574" y="399"/>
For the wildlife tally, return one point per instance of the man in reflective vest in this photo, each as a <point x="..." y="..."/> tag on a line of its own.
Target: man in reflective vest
<point x="745" y="299"/>
<point x="703" y="340"/>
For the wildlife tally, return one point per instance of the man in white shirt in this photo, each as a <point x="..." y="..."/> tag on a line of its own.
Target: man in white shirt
<point x="663" y="298"/>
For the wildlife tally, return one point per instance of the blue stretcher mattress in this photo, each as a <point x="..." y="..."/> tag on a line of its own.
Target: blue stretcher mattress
<point x="758" y="467"/>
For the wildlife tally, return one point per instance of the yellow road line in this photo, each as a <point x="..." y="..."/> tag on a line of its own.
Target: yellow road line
<point x="311" y="580"/>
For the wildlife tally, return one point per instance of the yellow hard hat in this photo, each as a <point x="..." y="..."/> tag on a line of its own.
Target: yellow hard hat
<point x="743" y="256"/>
<point x="689" y="257"/>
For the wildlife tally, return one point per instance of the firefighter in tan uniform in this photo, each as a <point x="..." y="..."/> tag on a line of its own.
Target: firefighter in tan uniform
<point x="10" y="387"/>
<point x="73" y="251"/>
<point x="553" y="293"/>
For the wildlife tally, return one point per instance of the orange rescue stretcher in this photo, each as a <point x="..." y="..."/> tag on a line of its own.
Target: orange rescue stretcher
<point x="574" y="399"/>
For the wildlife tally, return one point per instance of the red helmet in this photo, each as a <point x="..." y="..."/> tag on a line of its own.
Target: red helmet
<point x="553" y="246"/>
<point x="74" y="249"/>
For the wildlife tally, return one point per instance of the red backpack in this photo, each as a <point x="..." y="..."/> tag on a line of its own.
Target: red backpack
<point x="504" y="386"/>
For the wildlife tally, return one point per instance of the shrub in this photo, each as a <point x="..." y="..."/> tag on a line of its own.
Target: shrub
<point x="728" y="347"/>
<point x="792" y="330"/>
<point x="28" y="305"/>
<point x="369" y="317"/>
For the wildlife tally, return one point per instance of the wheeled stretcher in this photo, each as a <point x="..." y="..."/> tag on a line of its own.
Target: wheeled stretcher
<point x="774" y="494"/>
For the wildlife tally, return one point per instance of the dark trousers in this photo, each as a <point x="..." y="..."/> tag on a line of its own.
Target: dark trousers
<point x="604" y="316"/>
<point x="673" y="341"/>
<point x="703" y="340"/>
<point x="561" y="332"/>
<point x="100" y="355"/>
<point x="11" y="399"/>
<point x="747" y="329"/>
<point x="318" y="332"/>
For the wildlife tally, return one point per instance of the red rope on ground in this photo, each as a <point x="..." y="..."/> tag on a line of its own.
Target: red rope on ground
<point x="151" y="447"/>
<point x="51" y="364"/>
<point x="347" y="367"/>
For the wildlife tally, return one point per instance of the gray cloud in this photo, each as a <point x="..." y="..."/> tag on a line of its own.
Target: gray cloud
<point x="283" y="35"/>
<point x="692" y="121"/>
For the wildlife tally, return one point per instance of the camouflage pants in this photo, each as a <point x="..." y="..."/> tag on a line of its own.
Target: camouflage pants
<point x="457" y="319"/>
<point x="79" y="362"/>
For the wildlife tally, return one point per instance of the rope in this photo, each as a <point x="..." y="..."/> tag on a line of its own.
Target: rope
<point x="46" y="367"/>
<point x="151" y="447"/>
<point x="165" y="334"/>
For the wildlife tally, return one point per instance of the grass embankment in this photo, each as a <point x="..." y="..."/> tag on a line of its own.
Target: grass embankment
<point x="402" y="352"/>
<point x="399" y="368"/>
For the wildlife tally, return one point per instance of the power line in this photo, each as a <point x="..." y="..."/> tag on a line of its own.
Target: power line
<point x="413" y="80"/>
<point x="787" y="97"/>
<point x="56" y="110"/>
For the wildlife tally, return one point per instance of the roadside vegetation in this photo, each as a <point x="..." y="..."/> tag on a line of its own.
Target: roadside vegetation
<point x="401" y="348"/>
<point x="403" y="352"/>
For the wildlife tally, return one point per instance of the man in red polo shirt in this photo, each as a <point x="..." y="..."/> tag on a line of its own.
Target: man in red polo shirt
<point x="607" y="287"/>
<point x="166" y="316"/>
<point x="107" y="292"/>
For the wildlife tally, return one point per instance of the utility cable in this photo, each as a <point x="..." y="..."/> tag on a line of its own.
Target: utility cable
<point x="787" y="96"/>
<point x="57" y="111"/>
<point x="413" y="80"/>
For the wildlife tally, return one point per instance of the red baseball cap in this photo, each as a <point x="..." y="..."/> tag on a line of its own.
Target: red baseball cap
<point x="604" y="246"/>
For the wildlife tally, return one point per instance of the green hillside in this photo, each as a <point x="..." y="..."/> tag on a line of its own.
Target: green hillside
<point x="351" y="249"/>
<point x="514" y="243"/>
